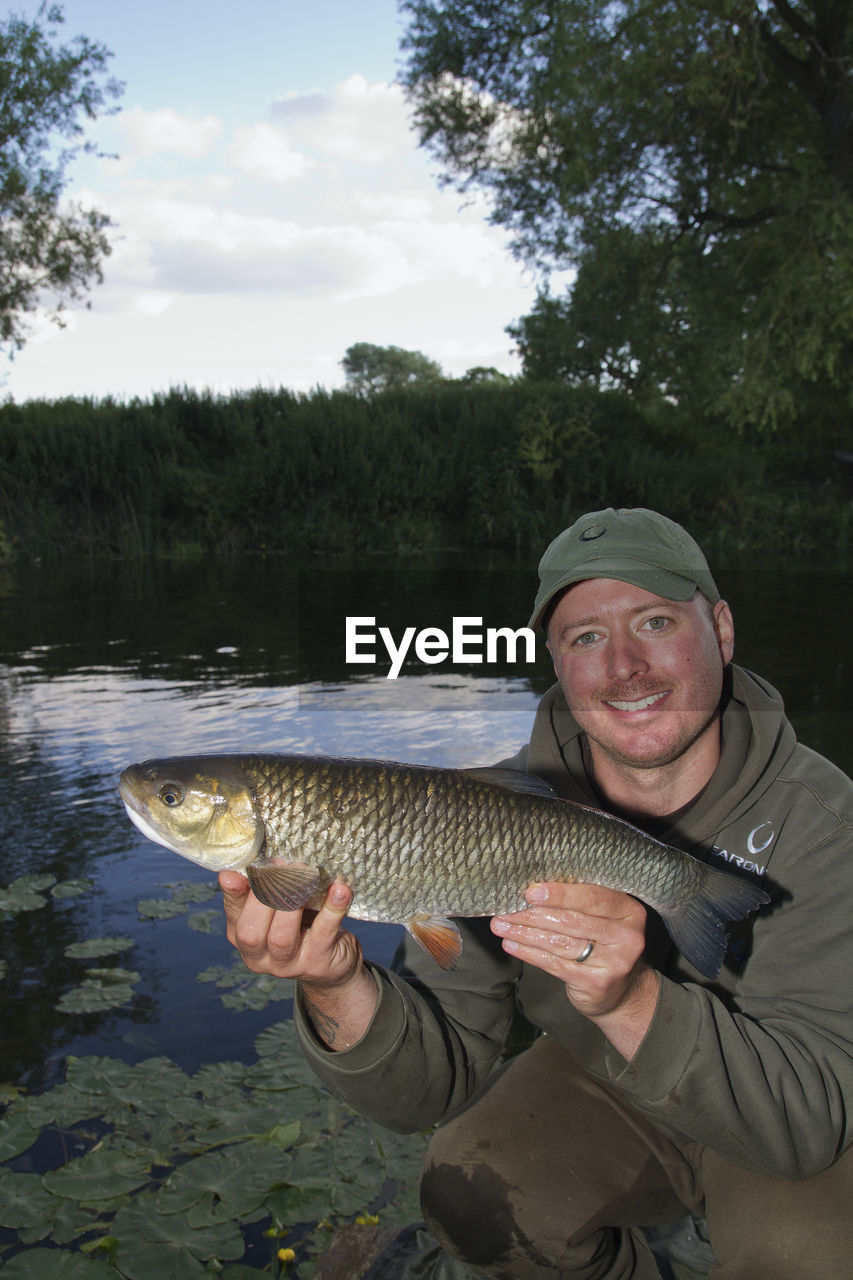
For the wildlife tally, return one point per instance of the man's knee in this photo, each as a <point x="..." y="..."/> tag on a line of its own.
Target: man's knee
<point x="764" y="1225"/>
<point x="478" y="1211"/>
<point x="469" y="1211"/>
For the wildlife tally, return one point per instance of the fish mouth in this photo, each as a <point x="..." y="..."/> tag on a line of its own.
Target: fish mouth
<point x="139" y="818"/>
<point x="128" y="796"/>
<point x="634" y="705"/>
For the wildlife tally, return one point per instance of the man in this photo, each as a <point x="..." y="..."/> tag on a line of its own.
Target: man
<point x="654" y="1091"/>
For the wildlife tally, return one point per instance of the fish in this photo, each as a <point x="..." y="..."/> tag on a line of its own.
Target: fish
<point x="419" y="845"/>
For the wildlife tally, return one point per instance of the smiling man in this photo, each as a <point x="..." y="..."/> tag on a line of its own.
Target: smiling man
<point x="651" y="1092"/>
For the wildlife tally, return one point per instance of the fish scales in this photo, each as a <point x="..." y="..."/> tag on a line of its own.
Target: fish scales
<point x="472" y="844"/>
<point x="419" y="845"/>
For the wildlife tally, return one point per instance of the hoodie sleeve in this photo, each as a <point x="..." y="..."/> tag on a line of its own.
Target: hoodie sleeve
<point x="433" y="1039"/>
<point x="764" y="1073"/>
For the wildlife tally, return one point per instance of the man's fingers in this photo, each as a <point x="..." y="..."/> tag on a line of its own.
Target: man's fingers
<point x="334" y="909"/>
<point x="586" y="899"/>
<point x="324" y="929"/>
<point x="289" y="943"/>
<point x="235" y="889"/>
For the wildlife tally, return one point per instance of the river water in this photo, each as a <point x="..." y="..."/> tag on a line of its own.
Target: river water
<point x="105" y="664"/>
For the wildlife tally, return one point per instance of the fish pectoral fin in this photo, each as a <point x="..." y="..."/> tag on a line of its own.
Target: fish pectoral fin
<point x="439" y="938"/>
<point x="286" y="886"/>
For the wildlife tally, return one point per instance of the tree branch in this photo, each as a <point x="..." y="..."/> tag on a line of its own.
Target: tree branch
<point x="795" y="21"/>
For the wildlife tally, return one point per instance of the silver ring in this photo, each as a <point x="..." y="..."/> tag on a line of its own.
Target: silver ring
<point x="586" y="953"/>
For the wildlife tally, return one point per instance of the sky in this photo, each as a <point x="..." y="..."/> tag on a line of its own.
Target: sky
<point x="272" y="208"/>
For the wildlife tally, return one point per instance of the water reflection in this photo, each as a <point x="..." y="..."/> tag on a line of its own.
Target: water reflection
<point x="105" y="665"/>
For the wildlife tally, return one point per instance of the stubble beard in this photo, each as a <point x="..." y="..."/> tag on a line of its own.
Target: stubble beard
<point x="649" y="751"/>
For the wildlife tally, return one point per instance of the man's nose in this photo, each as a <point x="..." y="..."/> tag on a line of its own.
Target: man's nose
<point x="625" y="657"/>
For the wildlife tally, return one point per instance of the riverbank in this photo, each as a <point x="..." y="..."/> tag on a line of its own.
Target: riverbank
<point x="483" y="466"/>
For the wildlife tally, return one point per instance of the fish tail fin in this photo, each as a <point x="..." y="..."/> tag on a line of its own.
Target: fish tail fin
<point x="698" y="926"/>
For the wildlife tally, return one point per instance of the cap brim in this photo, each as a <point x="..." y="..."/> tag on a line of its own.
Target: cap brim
<point x="660" y="582"/>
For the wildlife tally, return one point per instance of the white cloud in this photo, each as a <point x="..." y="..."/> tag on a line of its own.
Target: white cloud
<point x="182" y="247"/>
<point x="153" y="303"/>
<point x="215" y="280"/>
<point x="262" y="151"/>
<point x="355" y="121"/>
<point x="149" y="132"/>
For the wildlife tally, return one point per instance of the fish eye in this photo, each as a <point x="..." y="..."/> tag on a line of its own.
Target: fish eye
<point x="171" y="794"/>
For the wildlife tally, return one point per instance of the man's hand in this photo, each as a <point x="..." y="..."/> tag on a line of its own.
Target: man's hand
<point x="613" y="987"/>
<point x="323" y="957"/>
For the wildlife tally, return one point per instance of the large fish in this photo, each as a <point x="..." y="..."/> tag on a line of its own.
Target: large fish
<point x="418" y="845"/>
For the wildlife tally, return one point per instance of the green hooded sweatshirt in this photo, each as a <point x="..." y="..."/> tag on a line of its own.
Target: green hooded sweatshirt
<point x="757" y="1063"/>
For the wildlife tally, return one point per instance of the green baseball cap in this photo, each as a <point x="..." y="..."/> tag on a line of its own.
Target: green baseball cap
<point x="631" y="544"/>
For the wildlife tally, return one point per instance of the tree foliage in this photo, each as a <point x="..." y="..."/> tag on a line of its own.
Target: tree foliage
<point x="690" y="160"/>
<point x="370" y="368"/>
<point x="50" y="250"/>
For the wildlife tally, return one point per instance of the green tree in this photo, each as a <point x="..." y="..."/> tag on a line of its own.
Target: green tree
<point x="50" y="250"/>
<point x="480" y="373"/>
<point x="691" y="161"/>
<point x="370" y="368"/>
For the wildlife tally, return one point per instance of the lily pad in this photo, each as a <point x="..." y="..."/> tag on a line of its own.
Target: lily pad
<point x="153" y="1083"/>
<point x="153" y="1245"/>
<point x="234" y="1118"/>
<point x="216" y="1078"/>
<point x="71" y="888"/>
<point x="59" y="1264"/>
<point x="16" y="1135"/>
<point x="71" y="1222"/>
<point x="61" y="1106"/>
<point x="25" y="894"/>
<point x="192" y="891"/>
<point x="279" y="1044"/>
<point x="95" y="995"/>
<point x="37" y="883"/>
<point x="160" y="908"/>
<point x="148" y="1087"/>
<point x="256" y="993"/>
<point x="100" y="1175"/>
<point x="98" y="1075"/>
<point x="225" y="1184"/>
<point x="25" y="1202"/>
<point x="209" y="921"/>
<point x="94" y="948"/>
<point x="246" y="990"/>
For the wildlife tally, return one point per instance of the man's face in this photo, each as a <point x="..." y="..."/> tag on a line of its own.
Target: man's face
<point x="642" y="675"/>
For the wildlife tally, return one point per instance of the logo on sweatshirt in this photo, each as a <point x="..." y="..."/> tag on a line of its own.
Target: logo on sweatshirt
<point x="759" y="839"/>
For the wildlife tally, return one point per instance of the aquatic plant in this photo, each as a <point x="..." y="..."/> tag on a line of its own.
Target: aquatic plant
<point x="152" y="1172"/>
<point x="146" y="1170"/>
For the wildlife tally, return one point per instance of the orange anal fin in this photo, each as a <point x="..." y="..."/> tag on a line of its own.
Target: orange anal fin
<point x="286" y="886"/>
<point x="439" y="938"/>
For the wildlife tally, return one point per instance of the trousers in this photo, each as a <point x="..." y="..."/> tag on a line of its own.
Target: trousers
<point x="544" y="1174"/>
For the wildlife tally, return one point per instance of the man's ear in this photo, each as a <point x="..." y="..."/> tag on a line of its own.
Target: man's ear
<point x="724" y="629"/>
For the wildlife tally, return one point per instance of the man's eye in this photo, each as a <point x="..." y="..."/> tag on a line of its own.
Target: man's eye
<point x="656" y="624"/>
<point x="588" y="637"/>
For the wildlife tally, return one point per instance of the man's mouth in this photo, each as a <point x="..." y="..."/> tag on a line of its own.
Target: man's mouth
<point x="637" y="704"/>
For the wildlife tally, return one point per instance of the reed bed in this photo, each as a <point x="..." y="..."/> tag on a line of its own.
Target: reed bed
<point x="482" y="466"/>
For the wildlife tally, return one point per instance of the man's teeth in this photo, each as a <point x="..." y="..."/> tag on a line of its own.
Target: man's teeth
<point x="639" y="705"/>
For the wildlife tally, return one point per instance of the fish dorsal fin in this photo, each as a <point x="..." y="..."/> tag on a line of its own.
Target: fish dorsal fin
<point x="439" y="938"/>
<point x="513" y="780"/>
<point x="286" y="886"/>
